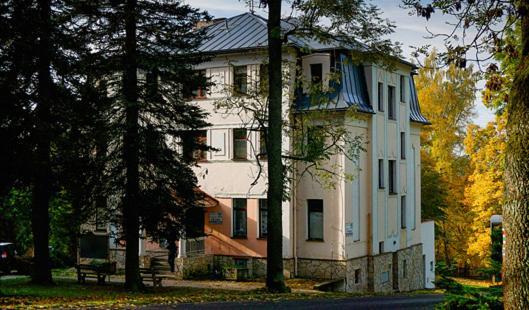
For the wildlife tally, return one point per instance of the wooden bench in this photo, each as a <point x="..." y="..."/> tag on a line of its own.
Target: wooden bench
<point x="95" y="271"/>
<point x="158" y="270"/>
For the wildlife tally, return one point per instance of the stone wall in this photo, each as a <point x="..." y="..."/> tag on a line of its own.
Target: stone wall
<point x="213" y="266"/>
<point x="357" y="275"/>
<point x="117" y="255"/>
<point x="194" y="267"/>
<point x="382" y="272"/>
<point x="321" y="269"/>
<point x="411" y="268"/>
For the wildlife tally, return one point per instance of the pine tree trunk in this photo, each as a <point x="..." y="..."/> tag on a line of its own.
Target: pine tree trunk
<point x="130" y="150"/>
<point x="274" y="274"/>
<point x="516" y="208"/>
<point x="41" y="193"/>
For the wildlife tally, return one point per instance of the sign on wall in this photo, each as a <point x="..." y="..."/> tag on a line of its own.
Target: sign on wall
<point x="349" y="229"/>
<point x="215" y="217"/>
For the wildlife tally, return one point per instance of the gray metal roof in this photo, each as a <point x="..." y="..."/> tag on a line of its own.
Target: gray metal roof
<point x="351" y="91"/>
<point x="245" y="31"/>
<point x="415" y="109"/>
<point x="249" y="31"/>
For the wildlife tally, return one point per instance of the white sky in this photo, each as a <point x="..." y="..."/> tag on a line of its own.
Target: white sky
<point x="410" y="31"/>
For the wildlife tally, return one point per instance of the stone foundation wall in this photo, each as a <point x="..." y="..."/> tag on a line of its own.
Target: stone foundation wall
<point x="118" y="255"/>
<point x="382" y="272"/>
<point x="213" y="266"/>
<point x="195" y="267"/>
<point x="357" y="275"/>
<point x="321" y="269"/>
<point x="411" y="268"/>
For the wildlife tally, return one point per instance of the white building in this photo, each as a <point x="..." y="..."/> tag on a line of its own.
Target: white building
<point x="366" y="231"/>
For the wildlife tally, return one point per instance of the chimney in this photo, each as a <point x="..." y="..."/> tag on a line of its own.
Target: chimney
<point x="206" y="23"/>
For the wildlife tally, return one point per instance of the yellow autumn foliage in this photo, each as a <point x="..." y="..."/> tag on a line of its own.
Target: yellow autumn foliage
<point x="484" y="191"/>
<point x="446" y="96"/>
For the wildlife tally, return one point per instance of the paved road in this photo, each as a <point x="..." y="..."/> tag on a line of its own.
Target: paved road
<point x="391" y="302"/>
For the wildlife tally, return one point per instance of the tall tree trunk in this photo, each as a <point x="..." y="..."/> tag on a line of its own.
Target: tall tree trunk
<point x="130" y="150"/>
<point x="41" y="193"/>
<point x="274" y="274"/>
<point x="516" y="208"/>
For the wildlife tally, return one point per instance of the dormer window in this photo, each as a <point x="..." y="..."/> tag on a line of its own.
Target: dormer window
<point x="316" y="74"/>
<point x="240" y="80"/>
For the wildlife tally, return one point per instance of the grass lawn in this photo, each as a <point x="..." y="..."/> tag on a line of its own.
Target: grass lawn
<point x="19" y="293"/>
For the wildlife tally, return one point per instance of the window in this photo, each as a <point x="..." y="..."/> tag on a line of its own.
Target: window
<point x="263" y="79"/>
<point x="381" y="247"/>
<point x="315" y="142"/>
<point x="239" y="144"/>
<point x="380" y="173"/>
<point x="392" y="176"/>
<point x="262" y="143"/>
<point x="200" y="91"/>
<point x="402" y="145"/>
<point x="316" y="74"/>
<point x="384" y="277"/>
<point x="402" y="88"/>
<point x="357" y="276"/>
<point x="240" y="80"/>
<point x="239" y="217"/>
<point x="191" y="144"/>
<point x="431" y="266"/>
<point x="101" y="222"/>
<point x="263" y="218"/>
<point x="404" y="269"/>
<point x="381" y="97"/>
<point x="201" y="138"/>
<point x="403" y="212"/>
<point x="391" y="103"/>
<point x="240" y="262"/>
<point x="315" y="219"/>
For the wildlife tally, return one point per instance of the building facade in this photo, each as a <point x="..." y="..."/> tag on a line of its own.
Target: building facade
<point x="365" y="231"/>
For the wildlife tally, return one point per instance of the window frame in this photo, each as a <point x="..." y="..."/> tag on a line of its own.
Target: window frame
<point x="403" y="212"/>
<point x="194" y="137"/>
<point x="403" y="89"/>
<point x="392" y="176"/>
<point x="235" y="139"/>
<point x="402" y="145"/>
<point x="380" y="96"/>
<point x="319" y="81"/>
<point x="201" y="139"/>
<point x="381" y="172"/>
<point x="311" y="205"/>
<point x="263" y="153"/>
<point x="201" y="92"/>
<point x="240" y="74"/>
<point x="236" y="207"/>
<point x="263" y="79"/>
<point x="262" y="206"/>
<point x="392" y="113"/>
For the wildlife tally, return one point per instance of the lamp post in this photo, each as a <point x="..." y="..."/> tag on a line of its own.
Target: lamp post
<point x="496" y="220"/>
